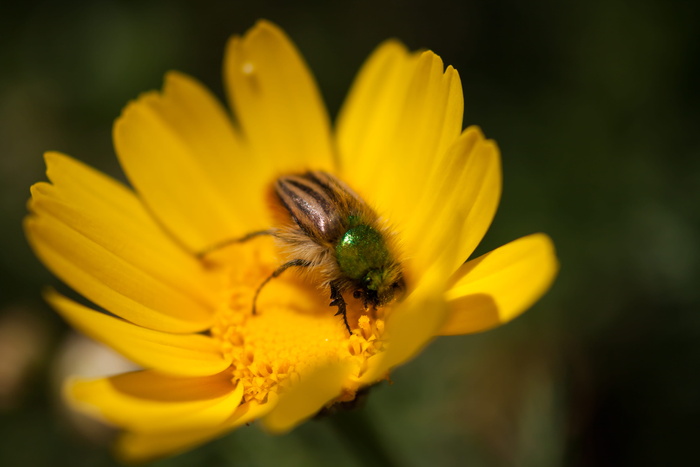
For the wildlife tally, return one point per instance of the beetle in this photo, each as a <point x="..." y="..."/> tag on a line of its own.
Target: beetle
<point x="333" y="231"/>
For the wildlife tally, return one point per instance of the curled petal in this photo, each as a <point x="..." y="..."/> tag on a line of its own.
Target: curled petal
<point x="497" y="287"/>
<point x="148" y="401"/>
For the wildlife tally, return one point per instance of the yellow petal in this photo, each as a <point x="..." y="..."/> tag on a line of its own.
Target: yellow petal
<point x="410" y="327"/>
<point x="143" y="447"/>
<point x="95" y="235"/>
<point x="481" y="182"/>
<point x="147" y="401"/>
<point x="496" y="287"/>
<point x="181" y="152"/>
<point x="373" y="106"/>
<point x="403" y="114"/>
<point x="306" y="398"/>
<point x="460" y="202"/>
<point x="276" y="101"/>
<point x="177" y="354"/>
<point x="403" y="110"/>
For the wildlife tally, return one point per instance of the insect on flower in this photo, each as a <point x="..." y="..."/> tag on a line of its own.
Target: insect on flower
<point x="331" y="230"/>
<point x="220" y="342"/>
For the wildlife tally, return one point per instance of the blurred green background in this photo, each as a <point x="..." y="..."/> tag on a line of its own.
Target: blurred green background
<point x="595" y="106"/>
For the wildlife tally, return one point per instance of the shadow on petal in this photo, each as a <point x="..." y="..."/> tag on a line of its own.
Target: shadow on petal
<point x="473" y="313"/>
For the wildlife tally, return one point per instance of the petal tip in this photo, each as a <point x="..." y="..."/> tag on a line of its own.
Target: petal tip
<point x="393" y="45"/>
<point x="264" y="23"/>
<point x="431" y="59"/>
<point x="173" y="77"/>
<point x="264" y="27"/>
<point x="548" y="247"/>
<point x="476" y="131"/>
<point x="54" y="157"/>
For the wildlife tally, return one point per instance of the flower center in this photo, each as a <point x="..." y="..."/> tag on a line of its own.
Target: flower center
<point x="293" y="331"/>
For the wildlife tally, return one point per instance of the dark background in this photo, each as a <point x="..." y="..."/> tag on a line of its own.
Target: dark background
<point x="595" y="107"/>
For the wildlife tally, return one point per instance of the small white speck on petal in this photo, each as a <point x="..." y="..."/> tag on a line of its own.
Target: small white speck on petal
<point x="247" y="68"/>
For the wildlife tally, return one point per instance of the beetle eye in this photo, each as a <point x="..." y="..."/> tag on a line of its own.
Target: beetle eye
<point x="357" y="293"/>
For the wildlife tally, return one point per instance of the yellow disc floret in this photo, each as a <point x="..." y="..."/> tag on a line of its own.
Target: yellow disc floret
<point x="293" y="330"/>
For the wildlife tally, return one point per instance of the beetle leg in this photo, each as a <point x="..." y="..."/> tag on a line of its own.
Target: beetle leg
<point x="338" y="300"/>
<point x="301" y="263"/>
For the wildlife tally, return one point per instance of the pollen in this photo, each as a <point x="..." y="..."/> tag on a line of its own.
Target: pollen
<point x="293" y="331"/>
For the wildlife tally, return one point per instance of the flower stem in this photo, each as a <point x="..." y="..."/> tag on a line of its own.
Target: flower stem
<point x="358" y="434"/>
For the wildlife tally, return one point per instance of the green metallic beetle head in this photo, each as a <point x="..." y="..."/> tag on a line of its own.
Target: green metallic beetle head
<point x="363" y="256"/>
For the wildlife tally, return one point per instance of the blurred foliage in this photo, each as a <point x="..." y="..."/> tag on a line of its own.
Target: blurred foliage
<point x="595" y="106"/>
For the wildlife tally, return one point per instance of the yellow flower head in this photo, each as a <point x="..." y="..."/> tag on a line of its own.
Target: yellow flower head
<point x="174" y="261"/>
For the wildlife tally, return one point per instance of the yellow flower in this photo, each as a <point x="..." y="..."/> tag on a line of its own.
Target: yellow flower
<point x="199" y="179"/>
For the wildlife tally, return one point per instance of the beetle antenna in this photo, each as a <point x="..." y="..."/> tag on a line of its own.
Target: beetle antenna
<point x="231" y="241"/>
